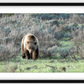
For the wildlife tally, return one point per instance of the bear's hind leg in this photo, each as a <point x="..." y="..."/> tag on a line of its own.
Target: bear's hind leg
<point x="22" y="51"/>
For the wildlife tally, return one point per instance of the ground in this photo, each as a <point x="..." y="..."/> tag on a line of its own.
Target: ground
<point x="42" y="66"/>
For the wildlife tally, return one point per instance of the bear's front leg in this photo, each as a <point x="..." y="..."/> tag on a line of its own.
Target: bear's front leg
<point x="23" y="56"/>
<point x="27" y="54"/>
<point x="35" y="54"/>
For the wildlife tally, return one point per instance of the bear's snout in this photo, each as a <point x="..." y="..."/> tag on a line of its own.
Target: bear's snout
<point x="30" y="51"/>
<point x="31" y="47"/>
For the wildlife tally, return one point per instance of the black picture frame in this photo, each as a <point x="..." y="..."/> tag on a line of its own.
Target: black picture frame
<point x="41" y="81"/>
<point x="41" y="4"/>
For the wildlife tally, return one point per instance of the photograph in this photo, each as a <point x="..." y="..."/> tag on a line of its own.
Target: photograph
<point x="41" y="42"/>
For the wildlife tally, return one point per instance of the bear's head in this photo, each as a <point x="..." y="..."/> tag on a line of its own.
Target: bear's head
<point x="31" y="43"/>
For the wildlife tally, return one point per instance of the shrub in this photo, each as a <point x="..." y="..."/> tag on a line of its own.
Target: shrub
<point x="66" y="35"/>
<point x="55" y="22"/>
<point x="63" y="52"/>
<point x="49" y="52"/>
<point x="43" y="16"/>
<point x="1" y="40"/>
<point x="75" y="18"/>
<point x="7" y="40"/>
<point x="78" y="40"/>
<point x="59" y="35"/>
<point x="8" y="50"/>
<point x="72" y="52"/>
<point x="52" y="49"/>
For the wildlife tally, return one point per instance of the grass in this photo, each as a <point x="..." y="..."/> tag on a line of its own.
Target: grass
<point x="42" y="66"/>
<point x="65" y="43"/>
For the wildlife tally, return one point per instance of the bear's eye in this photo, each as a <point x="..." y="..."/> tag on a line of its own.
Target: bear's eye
<point x="35" y="43"/>
<point x="27" y="42"/>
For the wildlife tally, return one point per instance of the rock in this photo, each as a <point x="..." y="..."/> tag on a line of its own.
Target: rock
<point x="51" y="61"/>
<point x="63" y="69"/>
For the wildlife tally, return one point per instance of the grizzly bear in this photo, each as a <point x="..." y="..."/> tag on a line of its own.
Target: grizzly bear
<point x="30" y="47"/>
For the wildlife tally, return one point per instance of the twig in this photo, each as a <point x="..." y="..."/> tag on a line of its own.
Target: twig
<point x="50" y="66"/>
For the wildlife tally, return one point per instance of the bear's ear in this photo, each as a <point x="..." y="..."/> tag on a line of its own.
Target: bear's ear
<point x="35" y="43"/>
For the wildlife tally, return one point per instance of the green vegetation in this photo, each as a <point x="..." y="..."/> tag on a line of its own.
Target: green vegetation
<point x="42" y="66"/>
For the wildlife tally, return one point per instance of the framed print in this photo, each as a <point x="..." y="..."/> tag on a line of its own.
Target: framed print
<point x="41" y="42"/>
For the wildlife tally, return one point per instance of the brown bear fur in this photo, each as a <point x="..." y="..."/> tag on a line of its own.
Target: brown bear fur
<point x="30" y="47"/>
